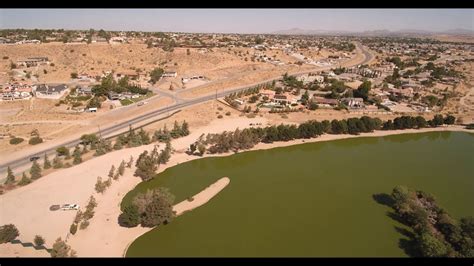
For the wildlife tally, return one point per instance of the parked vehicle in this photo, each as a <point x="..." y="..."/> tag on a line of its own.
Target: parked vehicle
<point x="34" y="158"/>
<point x="67" y="207"/>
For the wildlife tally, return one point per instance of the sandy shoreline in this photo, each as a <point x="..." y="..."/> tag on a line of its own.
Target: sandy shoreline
<point x="76" y="184"/>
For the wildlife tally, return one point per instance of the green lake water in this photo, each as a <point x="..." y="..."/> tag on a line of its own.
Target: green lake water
<point x="311" y="199"/>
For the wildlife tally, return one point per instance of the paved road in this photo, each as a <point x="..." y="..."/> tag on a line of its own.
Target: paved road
<point x="180" y="103"/>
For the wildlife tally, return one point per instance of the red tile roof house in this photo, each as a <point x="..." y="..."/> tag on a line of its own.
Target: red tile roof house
<point x="323" y="102"/>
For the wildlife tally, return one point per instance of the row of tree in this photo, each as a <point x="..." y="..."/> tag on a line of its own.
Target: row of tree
<point x="108" y="84"/>
<point x="437" y="234"/>
<point x="249" y="137"/>
<point x="148" y="163"/>
<point x="100" y="146"/>
<point x="60" y="249"/>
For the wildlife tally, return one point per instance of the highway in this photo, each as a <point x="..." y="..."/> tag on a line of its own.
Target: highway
<point x="180" y="103"/>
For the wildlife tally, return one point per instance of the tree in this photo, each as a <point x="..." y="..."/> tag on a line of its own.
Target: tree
<point x="46" y="163"/>
<point x="35" y="171"/>
<point x="39" y="241"/>
<point x="61" y="250"/>
<point x="116" y="176"/>
<point x="99" y="185"/>
<point x="312" y="106"/>
<point x="430" y="246"/>
<point x="10" y="176"/>
<point x="84" y="224"/>
<point x="192" y="148"/>
<point x="92" y="203"/>
<point x="89" y="139"/>
<point x="79" y="216"/>
<point x="159" y="209"/>
<point x="305" y="97"/>
<point x="201" y="148"/>
<point x="130" y="216"/>
<point x="74" y="75"/>
<point x="57" y="162"/>
<point x="421" y="122"/>
<point x="165" y="155"/>
<point x="35" y="140"/>
<point x="184" y="129"/>
<point x="449" y="120"/>
<point x="119" y="142"/>
<point x="146" y="167"/>
<point x="16" y="140"/>
<point x="112" y="171"/>
<point x="121" y="168"/>
<point x="155" y="75"/>
<point x="363" y="90"/>
<point x="8" y="233"/>
<point x="77" y="156"/>
<point x="467" y="226"/>
<point x="130" y="162"/>
<point x="339" y="126"/>
<point x="144" y="137"/>
<point x="62" y="151"/>
<point x="73" y="228"/>
<point x="437" y="120"/>
<point x="24" y="180"/>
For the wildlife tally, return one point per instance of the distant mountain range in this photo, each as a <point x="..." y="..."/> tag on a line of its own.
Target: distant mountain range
<point x="407" y="32"/>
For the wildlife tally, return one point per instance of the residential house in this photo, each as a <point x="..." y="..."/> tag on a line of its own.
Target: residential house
<point x="405" y="92"/>
<point x="84" y="90"/>
<point x="33" y="61"/>
<point x="284" y="99"/>
<point x="170" y="74"/>
<point x="308" y="79"/>
<point x="324" y="102"/>
<point x="51" y="91"/>
<point x="130" y="74"/>
<point x="353" y="102"/>
<point x="113" y="96"/>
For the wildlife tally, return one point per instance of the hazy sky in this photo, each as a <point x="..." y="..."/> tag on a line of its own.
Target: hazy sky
<point x="238" y="20"/>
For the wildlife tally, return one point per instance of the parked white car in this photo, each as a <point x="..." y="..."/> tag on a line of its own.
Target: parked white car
<point x="67" y="207"/>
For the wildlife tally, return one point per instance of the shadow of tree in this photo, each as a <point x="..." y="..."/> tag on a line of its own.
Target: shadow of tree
<point x="383" y="199"/>
<point x="30" y="245"/>
<point x="408" y="243"/>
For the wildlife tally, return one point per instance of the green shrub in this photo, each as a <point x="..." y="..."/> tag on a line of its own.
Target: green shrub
<point x="39" y="241"/>
<point x="73" y="229"/>
<point x="16" y="140"/>
<point x="8" y="233"/>
<point x="35" y="140"/>
<point x="84" y="225"/>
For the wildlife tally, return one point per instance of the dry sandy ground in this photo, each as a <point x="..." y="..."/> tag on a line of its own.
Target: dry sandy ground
<point x="119" y="238"/>
<point x="66" y="130"/>
<point x="28" y="207"/>
<point x="455" y="38"/>
<point x="96" y="58"/>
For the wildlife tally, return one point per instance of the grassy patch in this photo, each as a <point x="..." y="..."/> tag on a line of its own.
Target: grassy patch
<point x="125" y="102"/>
